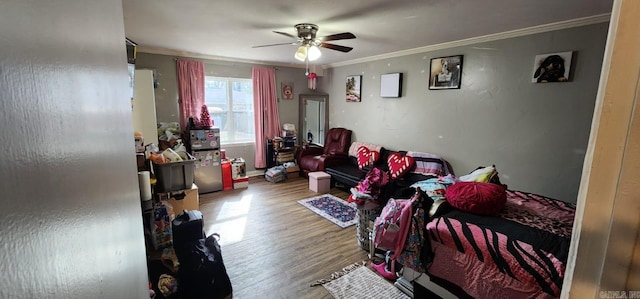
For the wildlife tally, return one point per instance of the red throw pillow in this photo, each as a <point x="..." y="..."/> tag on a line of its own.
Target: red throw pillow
<point x="367" y="157"/>
<point x="399" y="165"/>
<point x="477" y="197"/>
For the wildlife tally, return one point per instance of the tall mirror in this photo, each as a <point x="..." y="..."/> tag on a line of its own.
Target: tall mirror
<point x="314" y="113"/>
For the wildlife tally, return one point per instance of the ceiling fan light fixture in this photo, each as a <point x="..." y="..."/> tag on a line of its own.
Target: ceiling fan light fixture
<point x="308" y="45"/>
<point x="314" y="53"/>
<point x="301" y="53"/>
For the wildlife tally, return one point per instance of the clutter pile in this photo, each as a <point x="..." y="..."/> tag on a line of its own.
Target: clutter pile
<point x="276" y="174"/>
<point x="202" y="272"/>
<point x="168" y="134"/>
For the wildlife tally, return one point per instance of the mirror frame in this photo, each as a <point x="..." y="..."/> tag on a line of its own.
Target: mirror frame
<point x="302" y="113"/>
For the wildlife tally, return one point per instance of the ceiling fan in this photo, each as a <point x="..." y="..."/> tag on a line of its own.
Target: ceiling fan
<point x="308" y="43"/>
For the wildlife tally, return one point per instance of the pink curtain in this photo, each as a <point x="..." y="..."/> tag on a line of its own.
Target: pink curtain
<point x="190" y="89"/>
<point x="265" y="105"/>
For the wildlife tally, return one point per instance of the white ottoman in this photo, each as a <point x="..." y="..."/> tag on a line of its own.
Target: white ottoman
<point x="319" y="181"/>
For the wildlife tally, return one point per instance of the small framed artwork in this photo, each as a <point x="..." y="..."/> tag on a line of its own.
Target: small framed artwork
<point x="354" y="88"/>
<point x="391" y="85"/>
<point x="287" y="90"/>
<point x="552" y="67"/>
<point x="445" y="72"/>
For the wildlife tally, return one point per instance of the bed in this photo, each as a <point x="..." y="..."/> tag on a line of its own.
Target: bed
<point x="521" y="252"/>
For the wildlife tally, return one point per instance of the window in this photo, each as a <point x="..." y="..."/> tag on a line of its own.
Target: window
<point x="230" y="103"/>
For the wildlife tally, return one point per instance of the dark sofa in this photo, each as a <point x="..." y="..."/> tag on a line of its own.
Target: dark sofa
<point x="347" y="175"/>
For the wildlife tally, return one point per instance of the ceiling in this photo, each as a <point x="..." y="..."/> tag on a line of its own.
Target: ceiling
<point x="228" y="29"/>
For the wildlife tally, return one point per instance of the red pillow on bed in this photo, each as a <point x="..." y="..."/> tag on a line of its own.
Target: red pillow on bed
<point x="476" y="197"/>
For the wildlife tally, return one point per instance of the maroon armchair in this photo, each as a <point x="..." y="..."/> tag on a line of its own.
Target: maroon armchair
<point x="335" y="151"/>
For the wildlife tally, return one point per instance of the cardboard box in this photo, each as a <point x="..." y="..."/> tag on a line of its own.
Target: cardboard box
<point x="294" y="168"/>
<point x="242" y="182"/>
<point x="191" y="200"/>
<point x="238" y="168"/>
<point x="285" y="157"/>
<point x="293" y="171"/>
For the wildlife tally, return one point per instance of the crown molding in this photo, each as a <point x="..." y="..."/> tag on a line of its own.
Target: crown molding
<point x="596" y="19"/>
<point x="170" y="52"/>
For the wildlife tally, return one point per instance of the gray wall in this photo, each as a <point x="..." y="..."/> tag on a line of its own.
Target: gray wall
<point x="167" y="92"/>
<point x="535" y="134"/>
<point x="71" y="224"/>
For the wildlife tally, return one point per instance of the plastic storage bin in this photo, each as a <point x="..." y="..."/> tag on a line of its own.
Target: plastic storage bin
<point x="174" y="176"/>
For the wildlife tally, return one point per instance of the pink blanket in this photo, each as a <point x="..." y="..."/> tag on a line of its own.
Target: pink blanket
<point x="527" y="242"/>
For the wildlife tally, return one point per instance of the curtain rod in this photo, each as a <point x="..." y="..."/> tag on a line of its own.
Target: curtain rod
<point x="210" y="62"/>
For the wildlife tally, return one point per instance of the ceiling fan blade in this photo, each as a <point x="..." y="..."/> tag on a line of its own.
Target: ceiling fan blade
<point x="261" y="46"/>
<point x="344" y="35"/>
<point x="286" y="34"/>
<point x="336" y="47"/>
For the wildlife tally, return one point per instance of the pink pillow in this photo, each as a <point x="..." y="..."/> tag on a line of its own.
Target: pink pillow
<point x="367" y="157"/>
<point x="477" y="198"/>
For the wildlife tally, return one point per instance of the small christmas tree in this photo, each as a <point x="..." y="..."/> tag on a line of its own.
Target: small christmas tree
<point x="205" y="118"/>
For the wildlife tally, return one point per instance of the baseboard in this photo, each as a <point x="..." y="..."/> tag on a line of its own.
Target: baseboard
<point x="255" y="173"/>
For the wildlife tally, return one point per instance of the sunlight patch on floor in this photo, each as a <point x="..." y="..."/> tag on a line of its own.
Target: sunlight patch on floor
<point x="230" y="231"/>
<point x="231" y="221"/>
<point x="232" y="209"/>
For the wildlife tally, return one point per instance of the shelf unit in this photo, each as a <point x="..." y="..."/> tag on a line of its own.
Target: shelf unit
<point x="277" y="154"/>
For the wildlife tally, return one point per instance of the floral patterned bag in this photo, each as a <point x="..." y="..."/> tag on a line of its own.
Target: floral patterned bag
<point x="416" y="253"/>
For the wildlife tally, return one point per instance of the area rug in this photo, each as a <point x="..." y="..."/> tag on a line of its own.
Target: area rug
<point x="331" y="208"/>
<point x="358" y="282"/>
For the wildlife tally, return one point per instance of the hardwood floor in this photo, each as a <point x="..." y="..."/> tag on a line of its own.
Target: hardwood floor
<point x="274" y="247"/>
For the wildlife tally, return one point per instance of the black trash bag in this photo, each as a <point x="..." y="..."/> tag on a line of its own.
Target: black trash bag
<point x="202" y="273"/>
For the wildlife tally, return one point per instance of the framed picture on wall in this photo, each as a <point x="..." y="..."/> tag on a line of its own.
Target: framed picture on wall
<point x="391" y="85"/>
<point x="445" y="72"/>
<point x="287" y="90"/>
<point x="552" y="67"/>
<point x="354" y="88"/>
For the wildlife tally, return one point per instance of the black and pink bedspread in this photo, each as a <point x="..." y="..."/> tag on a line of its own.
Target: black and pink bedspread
<point x="525" y="245"/>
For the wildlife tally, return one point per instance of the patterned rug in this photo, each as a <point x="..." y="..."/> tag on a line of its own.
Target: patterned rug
<point x="358" y="282"/>
<point x="331" y="208"/>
